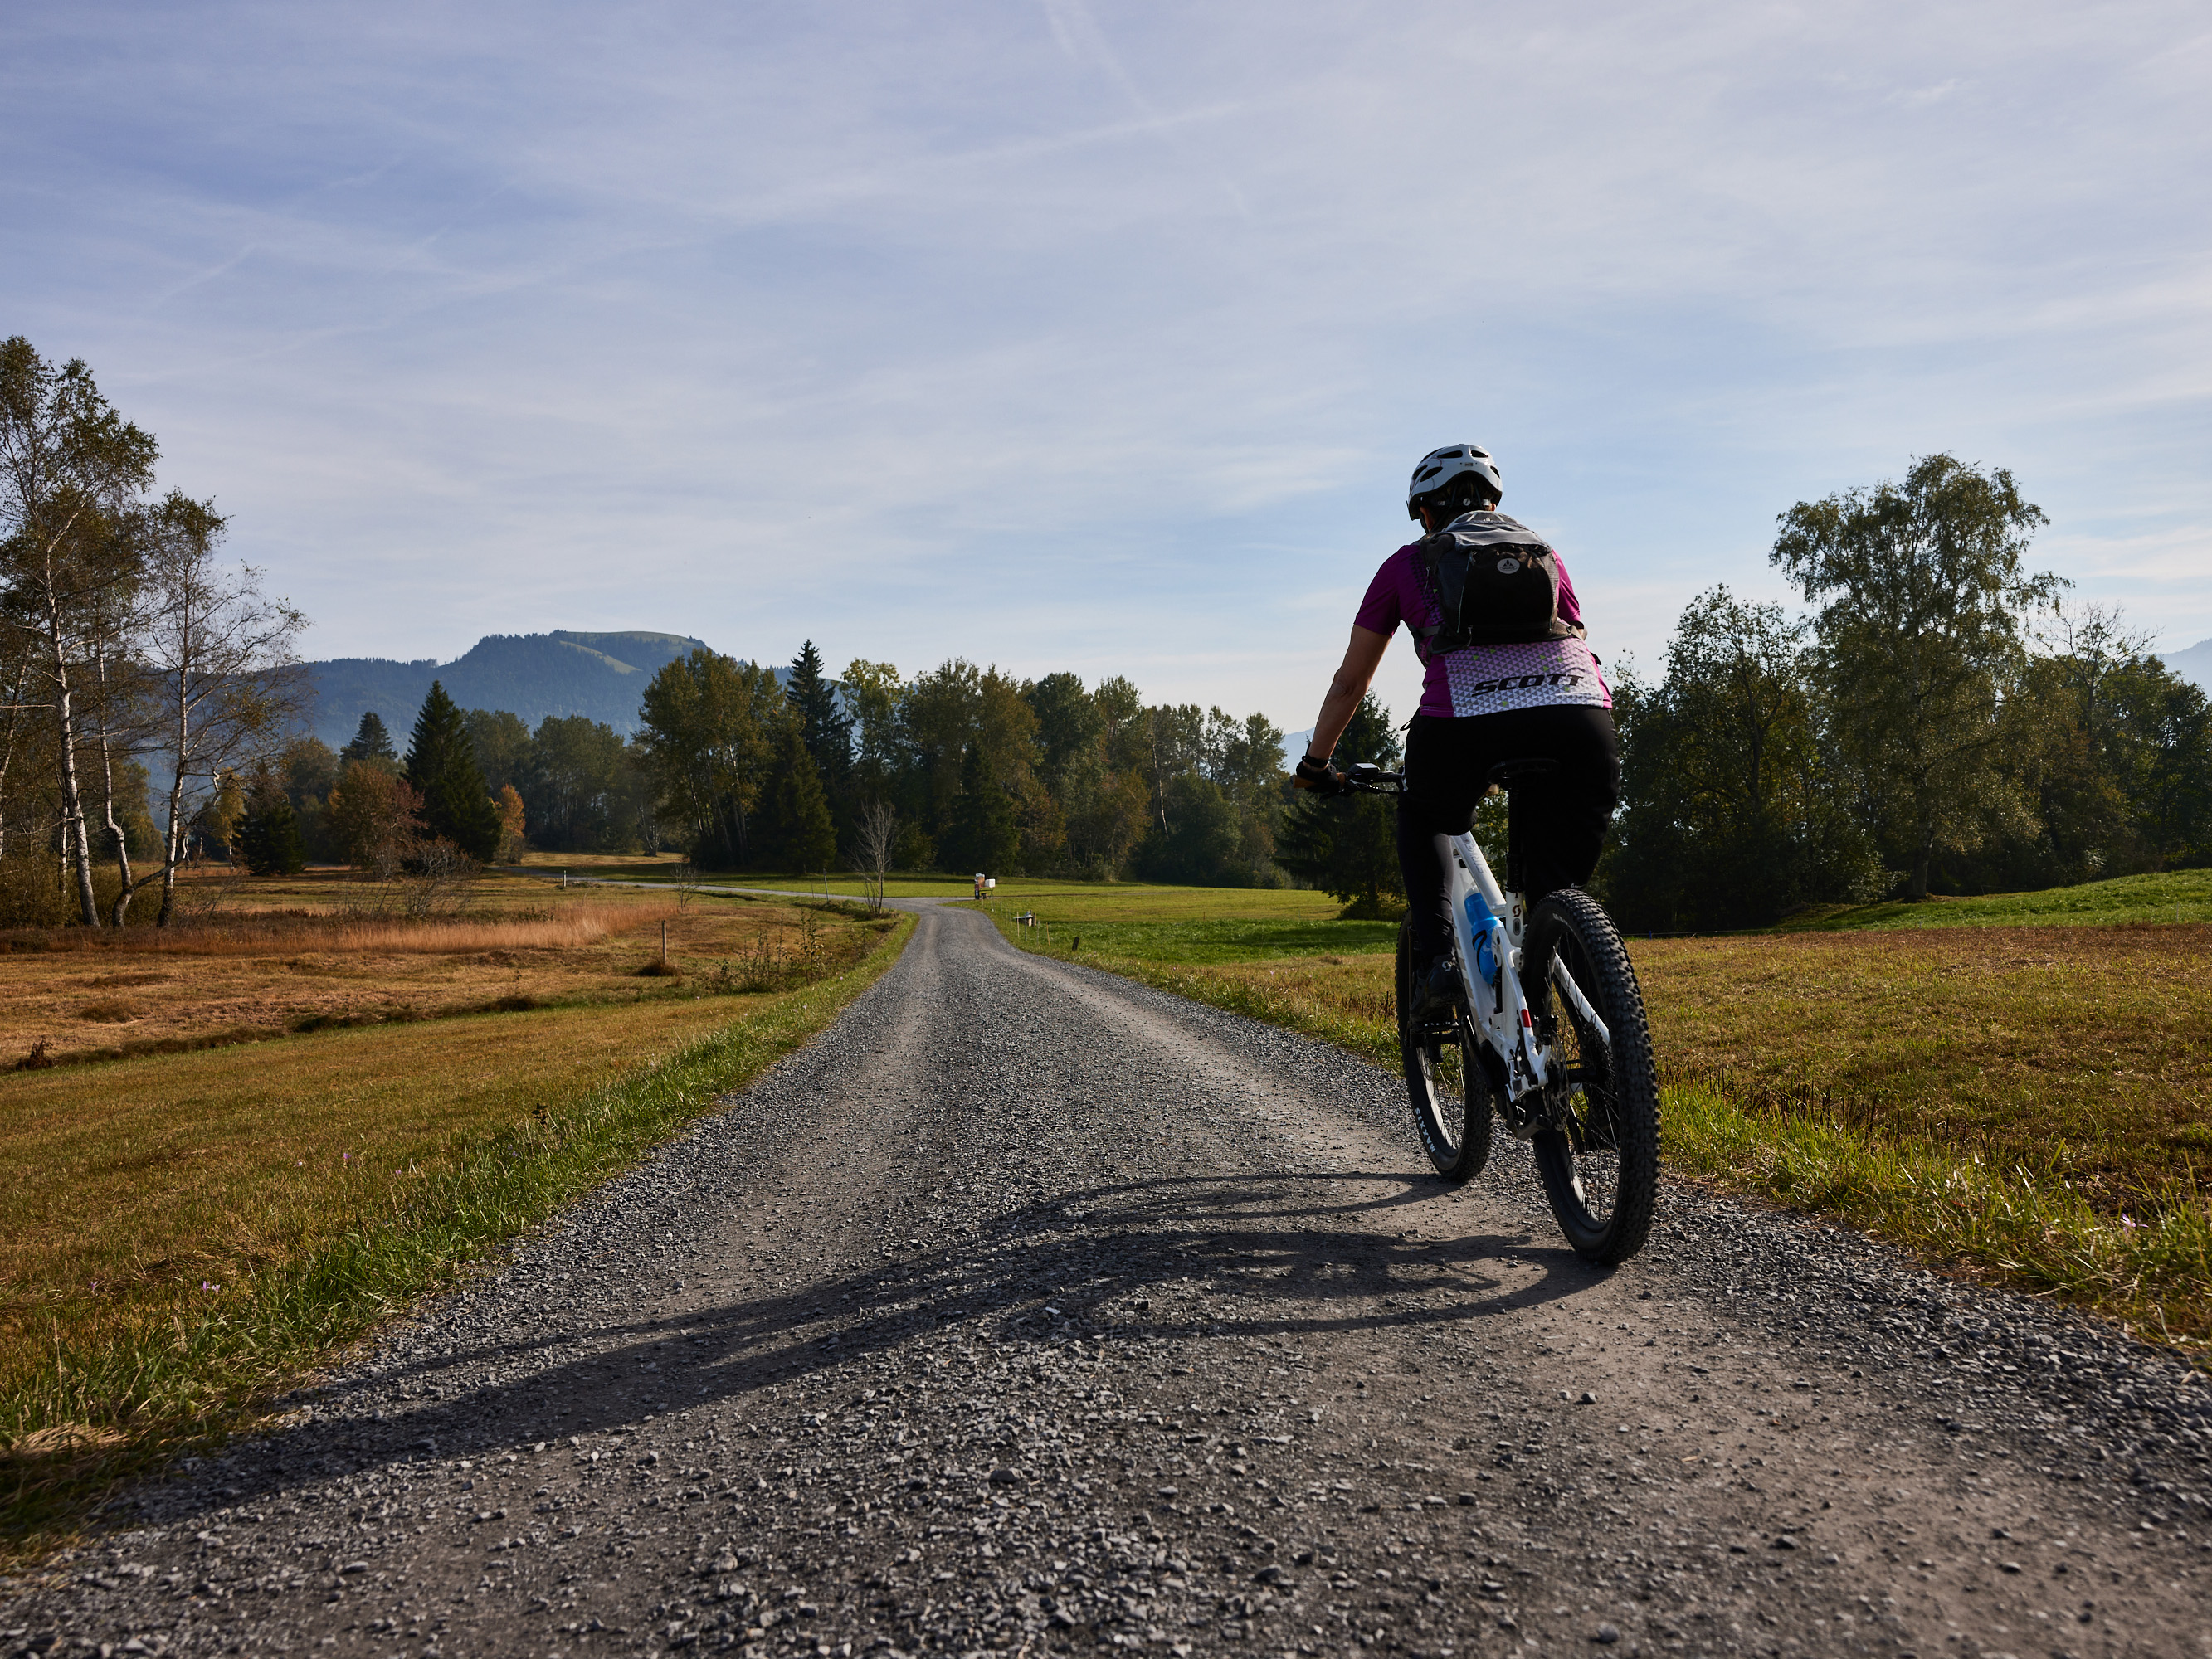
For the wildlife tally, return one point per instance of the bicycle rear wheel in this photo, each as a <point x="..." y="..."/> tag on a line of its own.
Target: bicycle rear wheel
<point x="1601" y="1171"/>
<point x="1445" y="1082"/>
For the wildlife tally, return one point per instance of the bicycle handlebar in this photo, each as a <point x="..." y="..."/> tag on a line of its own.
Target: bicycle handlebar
<point x="1372" y="780"/>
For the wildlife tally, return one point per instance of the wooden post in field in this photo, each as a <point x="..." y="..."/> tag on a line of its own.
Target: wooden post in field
<point x="664" y="943"/>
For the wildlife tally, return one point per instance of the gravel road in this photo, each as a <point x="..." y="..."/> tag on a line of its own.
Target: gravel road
<point x="1030" y="1310"/>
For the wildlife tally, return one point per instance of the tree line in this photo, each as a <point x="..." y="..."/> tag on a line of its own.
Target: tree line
<point x="1938" y="719"/>
<point x="956" y="768"/>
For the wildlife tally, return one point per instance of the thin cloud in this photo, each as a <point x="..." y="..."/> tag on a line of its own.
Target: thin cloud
<point x="1079" y="36"/>
<point x="1924" y="95"/>
<point x="772" y="324"/>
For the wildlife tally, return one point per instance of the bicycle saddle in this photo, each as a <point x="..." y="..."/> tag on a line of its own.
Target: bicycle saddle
<point x="1507" y="773"/>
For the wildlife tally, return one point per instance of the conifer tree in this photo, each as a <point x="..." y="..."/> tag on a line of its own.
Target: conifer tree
<point x="828" y="728"/>
<point x="270" y="839"/>
<point x="371" y="743"/>
<point x="796" y="832"/>
<point x="984" y="834"/>
<point x="442" y="767"/>
<point x="1348" y="846"/>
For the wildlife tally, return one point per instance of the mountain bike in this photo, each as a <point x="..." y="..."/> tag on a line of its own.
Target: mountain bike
<point x="1547" y="1034"/>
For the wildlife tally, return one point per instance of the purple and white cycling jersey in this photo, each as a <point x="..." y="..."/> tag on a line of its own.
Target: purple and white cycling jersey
<point x="1483" y="679"/>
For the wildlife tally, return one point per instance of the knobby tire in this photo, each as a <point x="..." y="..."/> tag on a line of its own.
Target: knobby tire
<point x="1452" y="1113"/>
<point x="1600" y="1173"/>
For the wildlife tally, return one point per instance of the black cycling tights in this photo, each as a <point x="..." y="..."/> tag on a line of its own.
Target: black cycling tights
<point x="1558" y="820"/>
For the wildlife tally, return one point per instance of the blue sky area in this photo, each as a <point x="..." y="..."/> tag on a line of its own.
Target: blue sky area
<point x="1105" y="337"/>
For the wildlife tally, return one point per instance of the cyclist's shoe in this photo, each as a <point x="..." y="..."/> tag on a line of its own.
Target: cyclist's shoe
<point x="1436" y="994"/>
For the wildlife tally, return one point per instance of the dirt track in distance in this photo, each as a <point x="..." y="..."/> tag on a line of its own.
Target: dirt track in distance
<point x="1030" y="1310"/>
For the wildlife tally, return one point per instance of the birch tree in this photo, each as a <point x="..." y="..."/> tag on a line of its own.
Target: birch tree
<point x="225" y="676"/>
<point x="113" y="714"/>
<point x="72" y="473"/>
<point x="873" y="839"/>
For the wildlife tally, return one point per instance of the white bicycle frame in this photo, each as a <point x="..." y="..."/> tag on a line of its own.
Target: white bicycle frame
<point x="1482" y="913"/>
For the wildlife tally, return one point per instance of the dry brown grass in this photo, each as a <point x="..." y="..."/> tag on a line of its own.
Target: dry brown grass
<point x="344" y="932"/>
<point x="281" y="957"/>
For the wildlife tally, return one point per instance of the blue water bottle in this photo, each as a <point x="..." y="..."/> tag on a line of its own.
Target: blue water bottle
<point x="1479" y="918"/>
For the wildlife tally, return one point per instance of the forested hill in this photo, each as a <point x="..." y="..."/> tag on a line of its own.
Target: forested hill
<point x="2193" y="663"/>
<point x="533" y="675"/>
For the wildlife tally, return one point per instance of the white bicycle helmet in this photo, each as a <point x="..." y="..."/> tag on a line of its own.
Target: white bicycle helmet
<point x="1459" y="470"/>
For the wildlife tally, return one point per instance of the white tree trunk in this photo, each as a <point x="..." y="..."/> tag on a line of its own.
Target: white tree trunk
<point x="77" y="844"/>
<point x="172" y="829"/>
<point x="116" y="838"/>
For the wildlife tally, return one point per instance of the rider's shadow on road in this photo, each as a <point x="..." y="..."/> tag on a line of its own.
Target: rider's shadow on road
<point x="1095" y="1273"/>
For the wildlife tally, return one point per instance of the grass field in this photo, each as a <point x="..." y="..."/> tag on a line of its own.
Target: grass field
<point x="2032" y="1102"/>
<point x="1100" y="899"/>
<point x="1188" y="924"/>
<point x="181" y="1233"/>
<point x="672" y="869"/>
<point x="2179" y="896"/>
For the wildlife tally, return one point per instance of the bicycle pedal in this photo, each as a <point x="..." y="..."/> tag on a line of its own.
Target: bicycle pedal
<point x="1538" y="1112"/>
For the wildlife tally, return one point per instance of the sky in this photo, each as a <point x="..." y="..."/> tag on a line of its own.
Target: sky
<point x="1066" y="335"/>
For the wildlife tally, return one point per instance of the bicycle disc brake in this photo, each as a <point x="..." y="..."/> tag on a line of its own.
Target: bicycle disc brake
<point x="1534" y="1111"/>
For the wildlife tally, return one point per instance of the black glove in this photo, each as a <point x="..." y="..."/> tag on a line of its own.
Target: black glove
<point x="1318" y="772"/>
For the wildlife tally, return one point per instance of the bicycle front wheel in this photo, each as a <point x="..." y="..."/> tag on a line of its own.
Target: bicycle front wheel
<point x="1445" y="1082"/>
<point x="1601" y="1171"/>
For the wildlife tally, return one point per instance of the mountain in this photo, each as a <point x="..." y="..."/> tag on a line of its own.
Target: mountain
<point x="2194" y="663"/>
<point x="533" y="675"/>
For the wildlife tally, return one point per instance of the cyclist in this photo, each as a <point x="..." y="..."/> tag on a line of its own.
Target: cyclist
<point x="1537" y="693"/>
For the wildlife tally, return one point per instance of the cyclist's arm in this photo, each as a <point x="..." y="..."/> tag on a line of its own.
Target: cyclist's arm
<point x="1361" y="658"/>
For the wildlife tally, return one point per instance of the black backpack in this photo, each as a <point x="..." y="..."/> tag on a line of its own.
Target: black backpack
<point x="1496" y="582"/>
